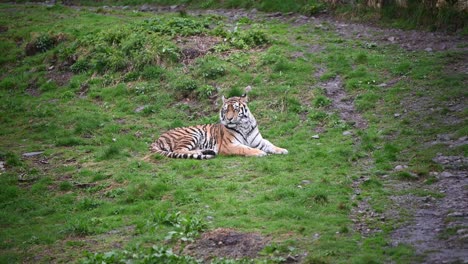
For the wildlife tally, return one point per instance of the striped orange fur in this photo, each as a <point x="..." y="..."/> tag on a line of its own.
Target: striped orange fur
<point x="237" y="134"/>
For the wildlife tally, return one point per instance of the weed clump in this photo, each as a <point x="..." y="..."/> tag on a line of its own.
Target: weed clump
<point x="43" y="43"/>
<point x="154" y="254"/>
<point x="183" y="26"/>
<point x="123" y="49"/>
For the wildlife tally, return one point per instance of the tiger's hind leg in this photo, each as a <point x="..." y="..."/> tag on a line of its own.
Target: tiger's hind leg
<point x="242" y="150"/>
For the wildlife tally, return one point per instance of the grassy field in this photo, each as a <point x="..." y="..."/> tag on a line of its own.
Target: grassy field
<point x="91" y="89"/>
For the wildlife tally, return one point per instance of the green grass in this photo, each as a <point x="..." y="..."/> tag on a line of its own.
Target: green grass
<point x="128" y="85"/>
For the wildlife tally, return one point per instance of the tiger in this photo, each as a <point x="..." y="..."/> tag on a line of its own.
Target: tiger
<point x="236" y="134"/>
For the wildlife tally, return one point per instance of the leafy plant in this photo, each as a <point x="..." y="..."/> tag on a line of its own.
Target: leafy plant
<point x="153" y="254"/>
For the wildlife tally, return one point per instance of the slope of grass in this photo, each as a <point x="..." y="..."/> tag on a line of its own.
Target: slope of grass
<point x="128" y="84"/>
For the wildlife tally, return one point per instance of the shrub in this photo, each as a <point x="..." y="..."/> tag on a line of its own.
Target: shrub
<point x="177" y="26"/>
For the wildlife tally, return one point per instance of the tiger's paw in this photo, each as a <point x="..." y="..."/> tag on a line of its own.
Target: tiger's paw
<point x="281" y="151"/>
<point x="261" y="154"/>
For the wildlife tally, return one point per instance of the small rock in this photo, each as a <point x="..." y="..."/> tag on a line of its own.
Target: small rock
<point x="299" y="186"/>
<point x="428" y="49"/>
<point x="145" y="8"/>
<point x="400" y="167"/>
<point x="173" y="7"/>
<point x="456" y="214"/>
<point x="315" y="136"/>
<point x="32" y="154"/>
<point x="446" y="174"/>
<point x="51" y="68"/>
<point x="209" y="218"/>
<point x="443" y="137"/>
<point x="305" y="182"/>
<point x="277" y="14"/>
<point x="397" y="115"/>
<point x="114" y="139"/>
<point x="2" y="166"/>
<point x="138" y="134"/>
<point x="347" y="133"/>
<point x="382" y="85"/>
<point x="140" y="108"/>
<point x="391" y="39"/>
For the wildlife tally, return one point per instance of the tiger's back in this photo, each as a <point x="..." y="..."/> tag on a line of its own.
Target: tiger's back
<point x="197" y="142"/>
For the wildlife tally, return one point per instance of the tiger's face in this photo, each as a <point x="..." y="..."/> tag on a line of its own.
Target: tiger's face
<point x="234" y="111"/>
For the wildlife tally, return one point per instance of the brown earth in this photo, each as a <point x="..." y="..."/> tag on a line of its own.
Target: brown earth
<point x="226" y="243"/>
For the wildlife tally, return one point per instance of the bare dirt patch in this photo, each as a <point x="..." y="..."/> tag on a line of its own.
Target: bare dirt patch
<point x="342" y="102"/>
<point x="60" y="251"/>
<point x="61" y="78"/>
<point x="439" y="228"/>
<point x="226" y="243"/>
<point x="195" y="46"/>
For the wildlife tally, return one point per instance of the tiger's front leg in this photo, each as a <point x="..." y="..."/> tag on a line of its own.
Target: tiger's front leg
<point x="242" y="150"/>
<point x="268" y="147"/>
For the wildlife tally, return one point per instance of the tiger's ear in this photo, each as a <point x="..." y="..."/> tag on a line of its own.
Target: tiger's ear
<point x="244" y="98"/>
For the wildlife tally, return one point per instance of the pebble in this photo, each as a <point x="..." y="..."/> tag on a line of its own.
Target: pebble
<point x="400" y="167"/>
<point x="32" y="154"/>
<point x="2" y="166"/>
<point x="347" y="133"/>
<point x="456" y="214"/>
<point x="397" y="115"/>
<point x="140" y="108"/>
<point x="209" y="218"/>
<point x="443" y="137"/>
<point x="305" y="182"/>
<point x="315" y="136"/>
<point x="428" y="49"/>
<point x="446" y="174"/>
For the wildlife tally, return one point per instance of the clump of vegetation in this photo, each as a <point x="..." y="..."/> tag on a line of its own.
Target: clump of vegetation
<point x="122" y="49"/>
<point x="246" y="39"/>
<point x="312" y="9"/>
<point x="153" y="254"/>
<point x="183" y="26"/>
<point x="43" y="42"/>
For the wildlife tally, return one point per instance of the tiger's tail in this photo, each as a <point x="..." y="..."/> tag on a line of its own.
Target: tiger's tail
<point x="183" y="154"/>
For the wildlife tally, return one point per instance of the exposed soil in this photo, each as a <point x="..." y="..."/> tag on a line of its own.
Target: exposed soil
<point x="195" y="46"/>
<point x="226" y="243"/>
<point x="342" y="103"/>
<point x="439" y="228"/>
<point x="58" y="252"/>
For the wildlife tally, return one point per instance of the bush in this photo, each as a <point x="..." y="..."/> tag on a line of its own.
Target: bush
<point x="123" y="49"/>
<point x="177" y="26"/>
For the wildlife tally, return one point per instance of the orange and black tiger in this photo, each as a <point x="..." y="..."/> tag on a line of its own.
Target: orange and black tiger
<point x="237" y="134"/>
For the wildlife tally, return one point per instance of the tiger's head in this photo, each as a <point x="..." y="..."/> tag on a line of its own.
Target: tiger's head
<point x="235" y="111"/>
